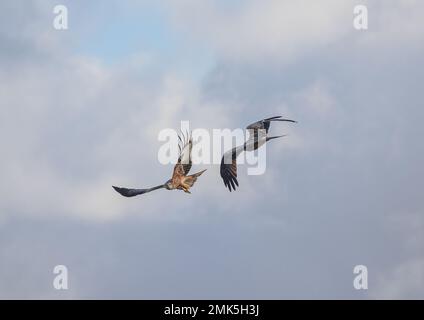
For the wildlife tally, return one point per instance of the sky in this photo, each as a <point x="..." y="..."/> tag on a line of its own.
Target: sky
<point x="81" y="110"/>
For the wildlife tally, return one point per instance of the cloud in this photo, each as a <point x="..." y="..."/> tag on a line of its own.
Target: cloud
<point x="82" y="117"/>
<point x="405" y="281"/>
<point x="344" y="188"/>
<point x="259" y="30"/>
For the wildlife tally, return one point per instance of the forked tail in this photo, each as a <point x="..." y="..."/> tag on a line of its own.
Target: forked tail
<point x="198" y="174"/>
<point x="191" y="179"/>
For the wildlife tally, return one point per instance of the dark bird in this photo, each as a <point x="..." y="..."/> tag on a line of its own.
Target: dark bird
<point x="180" y="180"/>
<point x="258" y="137"/>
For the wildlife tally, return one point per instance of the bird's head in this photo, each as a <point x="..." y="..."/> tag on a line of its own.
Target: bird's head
<point x="168" y="185"/>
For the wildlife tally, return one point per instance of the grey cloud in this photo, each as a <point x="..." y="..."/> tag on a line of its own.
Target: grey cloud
<point x="343" y="189"/>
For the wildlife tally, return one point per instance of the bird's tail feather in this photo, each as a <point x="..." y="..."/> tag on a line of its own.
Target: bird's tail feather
<point x="279" y="118"/>
<point x="198" y="174"/>
<point x="191" y="179"/>
<point x="275" y="137"/>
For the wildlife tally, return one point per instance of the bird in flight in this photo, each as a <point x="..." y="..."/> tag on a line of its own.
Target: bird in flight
<point x="180" y="180"/>
<point x="257" y="138"/>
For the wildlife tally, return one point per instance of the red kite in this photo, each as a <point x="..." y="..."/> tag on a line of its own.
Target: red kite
<point x="180" y="180"/>
<point x="258" y="137"/>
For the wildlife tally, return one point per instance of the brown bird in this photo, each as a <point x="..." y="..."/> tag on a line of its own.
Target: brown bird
<point x="180" y="180"/>
<point x="257" y="138"/>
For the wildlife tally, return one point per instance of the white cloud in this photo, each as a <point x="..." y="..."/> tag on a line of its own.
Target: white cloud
<point x="258" y="30"/>
<point x="70" y="127"/>
<point x="284" y="31"/>
<point x="405" y="281"/>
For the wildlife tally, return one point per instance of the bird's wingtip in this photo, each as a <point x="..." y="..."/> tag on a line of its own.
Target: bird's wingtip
<point x="118" y="189"/>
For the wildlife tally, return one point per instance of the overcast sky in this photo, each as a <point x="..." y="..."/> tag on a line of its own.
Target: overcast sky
<point x="81" y="109"/>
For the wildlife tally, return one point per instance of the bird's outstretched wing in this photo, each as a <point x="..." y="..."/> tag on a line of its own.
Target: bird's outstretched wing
<point x="228" y="168"/>
<point x="258" y="131"/>
<point x="184" y="163"/>
<point x="264" y="125"/>
<point x="135" y="192"/>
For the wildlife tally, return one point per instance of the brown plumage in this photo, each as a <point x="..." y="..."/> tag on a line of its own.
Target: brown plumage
<point x="180" y="180"/>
